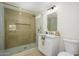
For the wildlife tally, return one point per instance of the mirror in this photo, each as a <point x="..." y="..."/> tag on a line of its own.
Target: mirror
<point x="52" y="22"/>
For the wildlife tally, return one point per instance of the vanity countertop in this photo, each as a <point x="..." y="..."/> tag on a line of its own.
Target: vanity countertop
<point x="49" y="35"/>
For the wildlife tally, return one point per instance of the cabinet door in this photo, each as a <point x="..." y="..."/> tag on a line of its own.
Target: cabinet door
<point x="51" y="46"/>
<point x="41" y="44"/>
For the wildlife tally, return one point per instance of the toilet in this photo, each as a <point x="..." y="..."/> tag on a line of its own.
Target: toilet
<point x="71" y="48"/>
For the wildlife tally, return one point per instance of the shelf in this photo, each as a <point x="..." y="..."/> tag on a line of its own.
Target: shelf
<point x="22" y="24"/>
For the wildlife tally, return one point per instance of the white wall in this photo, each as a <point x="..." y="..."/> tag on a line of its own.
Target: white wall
<point x="68" y="20"/>
<point x="39" y="23"/>
<point x="44" y="21"/>
<point x="1" y="27"/>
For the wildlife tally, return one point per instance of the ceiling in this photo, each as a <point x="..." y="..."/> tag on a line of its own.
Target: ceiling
<point x="35" y="7"/>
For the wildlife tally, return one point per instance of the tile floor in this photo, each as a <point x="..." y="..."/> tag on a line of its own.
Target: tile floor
<point x="31" y="52"/>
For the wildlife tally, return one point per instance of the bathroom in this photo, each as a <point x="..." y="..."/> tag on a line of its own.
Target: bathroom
<point x="29" y="30"/>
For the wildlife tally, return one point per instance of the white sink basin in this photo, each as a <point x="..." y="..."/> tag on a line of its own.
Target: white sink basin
<point x="42" y="34"/>
<point x="52" y="36"/>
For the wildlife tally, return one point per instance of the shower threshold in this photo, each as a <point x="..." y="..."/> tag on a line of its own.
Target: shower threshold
<point x="11" y="51"/>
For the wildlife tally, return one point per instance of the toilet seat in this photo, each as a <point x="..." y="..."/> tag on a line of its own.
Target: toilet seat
<point x="65" y="54"/>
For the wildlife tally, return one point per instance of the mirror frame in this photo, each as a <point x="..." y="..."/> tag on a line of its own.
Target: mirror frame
<point x="48" y="13"/>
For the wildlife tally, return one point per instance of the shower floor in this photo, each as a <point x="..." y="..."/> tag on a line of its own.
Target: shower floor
<point x="12" y="51"/>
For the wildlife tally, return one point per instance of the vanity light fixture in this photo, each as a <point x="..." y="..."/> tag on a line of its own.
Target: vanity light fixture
<point x="51" y="10"/>
<point x="52" y="7"/>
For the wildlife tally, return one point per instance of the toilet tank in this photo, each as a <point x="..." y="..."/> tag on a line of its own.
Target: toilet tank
<point x="72" y="46"/>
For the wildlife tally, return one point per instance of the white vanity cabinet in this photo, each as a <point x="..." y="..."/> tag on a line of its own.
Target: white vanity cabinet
<point x="41" y="41"/>
<point x="48" y="44"/>
<point x="51" y="46"/>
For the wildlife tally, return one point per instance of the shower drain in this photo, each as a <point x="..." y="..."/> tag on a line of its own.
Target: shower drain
<point x="25" y="47"/>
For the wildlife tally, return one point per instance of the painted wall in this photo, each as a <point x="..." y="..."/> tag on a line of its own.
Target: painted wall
<point x="1" y="27"/>
<point x="68" y="21"/>
<point x="39" y="23"/>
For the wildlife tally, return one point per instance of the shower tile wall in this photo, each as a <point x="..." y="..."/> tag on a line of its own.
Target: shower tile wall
<point x="19" y="28"/>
